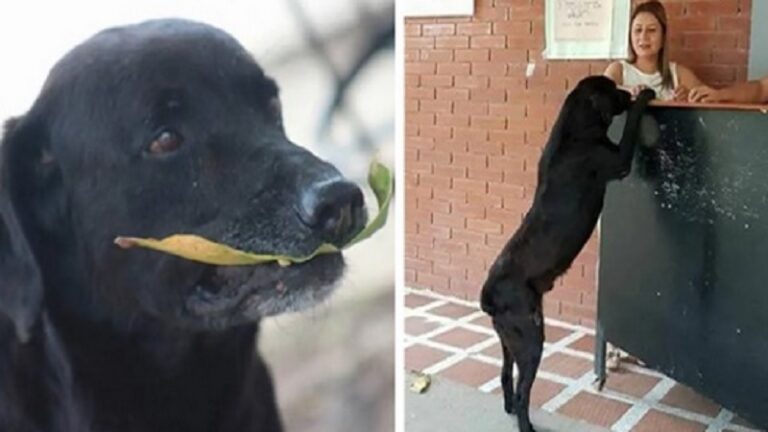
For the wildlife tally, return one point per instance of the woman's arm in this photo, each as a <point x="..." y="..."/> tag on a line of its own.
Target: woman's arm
<point x="748" y="92"/>
<point x="615" y="71"/>
<point x="686" y="80"/>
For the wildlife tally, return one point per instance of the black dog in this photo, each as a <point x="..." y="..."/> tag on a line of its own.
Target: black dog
<point x="149" y="130"/>
<point x="577" y="163"/>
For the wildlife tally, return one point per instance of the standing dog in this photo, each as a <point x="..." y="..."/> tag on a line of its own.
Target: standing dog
<point x="577" y="163"/>
<point x="153" y="129"/>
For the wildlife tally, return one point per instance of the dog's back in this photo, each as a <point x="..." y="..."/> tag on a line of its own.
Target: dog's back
<point x="567" y="203"/>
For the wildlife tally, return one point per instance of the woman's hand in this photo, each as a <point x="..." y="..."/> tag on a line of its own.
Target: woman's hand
<point x="635" y="90"/>
<point x="681" y="93"/>
<point x="703" y="94"/>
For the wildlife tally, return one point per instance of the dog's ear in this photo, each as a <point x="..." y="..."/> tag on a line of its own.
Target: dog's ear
<point x="21" y="285"/>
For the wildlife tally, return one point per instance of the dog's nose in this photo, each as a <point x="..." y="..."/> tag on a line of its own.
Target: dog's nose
<point x="334" y="209"/>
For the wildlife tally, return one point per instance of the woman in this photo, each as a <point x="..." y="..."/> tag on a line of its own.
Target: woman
<point x="648" y="65"/>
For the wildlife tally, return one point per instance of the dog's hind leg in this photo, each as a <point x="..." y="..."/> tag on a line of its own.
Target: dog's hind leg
<point x="516" y="309"/>
<point x="528" y="360"/>
<point x="507" y="379"/>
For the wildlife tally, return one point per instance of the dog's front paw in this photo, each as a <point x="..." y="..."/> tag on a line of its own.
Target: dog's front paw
<point x="644" y="98"/>
<point x="646" y="94"/>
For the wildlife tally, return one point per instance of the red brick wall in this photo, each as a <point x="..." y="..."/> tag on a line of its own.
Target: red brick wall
<point x="475" y="127"/>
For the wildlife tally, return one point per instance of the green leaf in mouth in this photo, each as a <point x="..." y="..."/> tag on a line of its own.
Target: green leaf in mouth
<point x="200" y="249"/>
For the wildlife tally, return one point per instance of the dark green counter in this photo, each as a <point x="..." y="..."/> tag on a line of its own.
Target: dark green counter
<point x="683" y="273"/>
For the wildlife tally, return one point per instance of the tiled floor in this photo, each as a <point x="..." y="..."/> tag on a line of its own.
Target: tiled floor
<point x="454" y="339"/>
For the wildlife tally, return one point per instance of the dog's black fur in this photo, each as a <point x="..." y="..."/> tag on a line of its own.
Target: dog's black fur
<point x="577" y="163"/>
<point x="163" y="127"/>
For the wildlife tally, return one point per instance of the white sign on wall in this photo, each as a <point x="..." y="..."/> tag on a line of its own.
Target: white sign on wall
<point x="434" y="8"/>
<point x="587" y="29"/>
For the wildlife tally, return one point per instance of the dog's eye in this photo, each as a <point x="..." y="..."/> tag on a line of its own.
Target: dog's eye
<point x="165" y="142"/>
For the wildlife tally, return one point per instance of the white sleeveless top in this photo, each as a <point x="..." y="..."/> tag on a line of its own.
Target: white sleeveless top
<point x="632" y="76"/>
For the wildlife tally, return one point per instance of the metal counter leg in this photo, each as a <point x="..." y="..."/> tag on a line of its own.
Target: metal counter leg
<point x="600" y="351"/>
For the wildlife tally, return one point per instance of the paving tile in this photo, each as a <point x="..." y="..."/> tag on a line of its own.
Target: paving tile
<point x="683" y="397"/>
<point x="471" y="372"/>
<point x="460" y="338"/>
<point x="413" y="301"/>
<point x="553" y="334"/>
<point x="594" y="409"/>
<point x="417" y="326"/>
<point x="494" y="351"/>
<point x="566" y="365"/>
<point x="655" y="421"/>
<point x="585" y="344"/>
<point x="420" y="357"/>
<point x="631" y="383"/>
<point x="484" y="321"/>
<point x="543" y="391"/>
<point x="452" y="310"/>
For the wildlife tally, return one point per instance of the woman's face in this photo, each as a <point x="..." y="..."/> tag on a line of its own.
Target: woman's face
<point x="647" y="35"/>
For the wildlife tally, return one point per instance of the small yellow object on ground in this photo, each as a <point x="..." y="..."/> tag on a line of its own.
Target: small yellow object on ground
<point x="420" y="382"/>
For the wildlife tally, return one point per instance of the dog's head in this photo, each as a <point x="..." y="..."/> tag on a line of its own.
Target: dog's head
<point x="154" y="129"/>
<point x="602" y="98"/>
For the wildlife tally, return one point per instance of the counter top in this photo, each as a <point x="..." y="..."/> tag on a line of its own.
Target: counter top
<point x="720" y="106"/>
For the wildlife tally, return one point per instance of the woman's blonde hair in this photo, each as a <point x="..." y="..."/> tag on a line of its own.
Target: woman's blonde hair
<point x="655" y="8"/>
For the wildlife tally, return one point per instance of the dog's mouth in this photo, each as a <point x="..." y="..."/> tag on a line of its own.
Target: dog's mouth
<point x="224" y="296"/>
